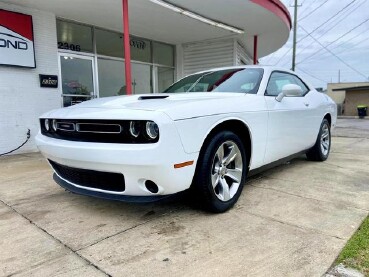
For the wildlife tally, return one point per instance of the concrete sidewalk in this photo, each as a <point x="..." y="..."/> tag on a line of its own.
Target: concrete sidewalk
<point x="290" y="221"/>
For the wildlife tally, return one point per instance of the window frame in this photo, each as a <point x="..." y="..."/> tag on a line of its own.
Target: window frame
<point x="285" y="72"/>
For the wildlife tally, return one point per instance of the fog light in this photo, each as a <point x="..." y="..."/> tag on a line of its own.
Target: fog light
<point x="151" y="186"/>
<point x="152" y="129"/>
<point x="47" y="124"/>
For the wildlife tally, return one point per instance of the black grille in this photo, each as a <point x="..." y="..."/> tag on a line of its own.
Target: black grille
<point x="100" y="131"/>
<point x="90" y="178"/>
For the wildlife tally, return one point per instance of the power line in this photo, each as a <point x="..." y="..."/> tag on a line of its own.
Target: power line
<point x="359" y="34"/>
<point x="337" y="23"/>
<point x="325" y="47"/>
<point x="303" y="12"/>
<point x="345" y="15"/>
<point x="318" y="7"/>
<point x="352" y="49"/>
<point x="311" y="75"/>
<point x="329" y="19"/>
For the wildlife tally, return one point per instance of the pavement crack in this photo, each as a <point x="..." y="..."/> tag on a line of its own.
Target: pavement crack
<point x="334" y="165"/>
<point x="122" y="231"/>
<point x="56" y="239"/>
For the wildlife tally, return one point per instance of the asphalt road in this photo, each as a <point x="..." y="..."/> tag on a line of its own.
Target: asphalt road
<point x="292" y="220"/>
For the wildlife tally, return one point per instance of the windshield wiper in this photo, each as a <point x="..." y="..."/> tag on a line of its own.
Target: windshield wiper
<point x="198" y="80"/>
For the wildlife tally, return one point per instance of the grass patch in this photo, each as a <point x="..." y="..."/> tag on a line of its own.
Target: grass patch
<point x="356" y="252"/>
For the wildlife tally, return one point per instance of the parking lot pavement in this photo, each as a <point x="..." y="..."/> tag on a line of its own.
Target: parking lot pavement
<point x="292" y="220"/>
<point x="352" y="128"/>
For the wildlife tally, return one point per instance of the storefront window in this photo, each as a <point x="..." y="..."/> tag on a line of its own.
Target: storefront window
<point x="165" y="78"/>
<point x="74" y="37"/>
<point x="163" y="54"/>
<point x="109" y="43"/>
<point x="140" y="50"/>
<point x="77" y="80"/>
<point x="112" y="78"/>
<point x="141" y="78"/>
<point x="149" y="60"/>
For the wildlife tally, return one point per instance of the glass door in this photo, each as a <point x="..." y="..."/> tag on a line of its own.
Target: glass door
<point x="77" y="78"/>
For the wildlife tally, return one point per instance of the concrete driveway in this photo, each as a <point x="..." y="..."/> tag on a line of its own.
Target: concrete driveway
<point x="358" y="128"/>
<point x="290" y="221"/>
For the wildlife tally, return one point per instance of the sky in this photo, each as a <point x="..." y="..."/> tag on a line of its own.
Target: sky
<point x="343" y="31"/>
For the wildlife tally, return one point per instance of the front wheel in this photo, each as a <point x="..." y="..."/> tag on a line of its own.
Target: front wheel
<point x="220" y="172"/>
<point x="322" y="147"/>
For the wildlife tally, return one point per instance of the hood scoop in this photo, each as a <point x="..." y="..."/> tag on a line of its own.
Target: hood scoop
<point x="153" y="97"/>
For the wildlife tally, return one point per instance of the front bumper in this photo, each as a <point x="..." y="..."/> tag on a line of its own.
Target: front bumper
<point x="137" y="162"/>
<point x="117" y="197"/>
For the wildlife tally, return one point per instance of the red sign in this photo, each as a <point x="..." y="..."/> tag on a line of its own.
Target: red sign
<point x="16" y="39"/>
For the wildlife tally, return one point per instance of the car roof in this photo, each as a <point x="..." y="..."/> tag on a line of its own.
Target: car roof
<point x="267" y="69"/>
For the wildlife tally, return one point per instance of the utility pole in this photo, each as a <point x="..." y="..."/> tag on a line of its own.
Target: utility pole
<point x="294" y="35"/>
<point x="339" y="75"/>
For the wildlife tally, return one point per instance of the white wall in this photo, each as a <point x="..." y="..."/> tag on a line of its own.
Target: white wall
<point x="206" y="55"/>
<point x="194" y="57"/>
<point x="22" y="100"/>
<point x="241" y="55"/>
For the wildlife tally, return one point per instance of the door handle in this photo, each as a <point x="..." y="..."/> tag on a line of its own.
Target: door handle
<point x="306" y="104"/>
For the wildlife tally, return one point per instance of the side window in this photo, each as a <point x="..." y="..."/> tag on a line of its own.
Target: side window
<point x="279" y="79"/>
<point x="304" y="88"/>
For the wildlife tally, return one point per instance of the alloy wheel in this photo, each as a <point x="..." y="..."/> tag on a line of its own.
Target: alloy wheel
<point x="226" y="173"/>
<point x="325" y="139"/>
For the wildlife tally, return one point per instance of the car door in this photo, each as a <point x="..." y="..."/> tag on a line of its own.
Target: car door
<point x="290" y="128"/>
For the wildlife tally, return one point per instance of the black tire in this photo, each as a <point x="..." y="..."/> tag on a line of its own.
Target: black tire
<point x="316" y="153"/>
<point x="202" y="189"/>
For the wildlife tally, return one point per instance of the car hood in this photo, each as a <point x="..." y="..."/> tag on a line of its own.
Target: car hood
<point x="176" y="106"/>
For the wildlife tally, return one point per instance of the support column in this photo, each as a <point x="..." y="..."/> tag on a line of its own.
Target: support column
<point x="127" y="48"/>
<point x="255" y="49"/>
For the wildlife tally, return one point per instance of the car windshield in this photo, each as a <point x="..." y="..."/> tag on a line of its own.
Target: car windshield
<point x="243" y="80"/>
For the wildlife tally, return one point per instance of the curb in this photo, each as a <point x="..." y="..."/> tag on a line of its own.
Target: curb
<point x="342" y="271"/>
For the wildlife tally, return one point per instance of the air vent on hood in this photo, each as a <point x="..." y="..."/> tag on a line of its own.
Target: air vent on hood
<point x="153" y="97"/>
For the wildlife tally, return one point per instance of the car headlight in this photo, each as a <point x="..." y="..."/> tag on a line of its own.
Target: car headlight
<point x="47" y="124"/>
<point x="152" y="130"/>
<point x="135" y="128"/>
<point x="54" y="125"/>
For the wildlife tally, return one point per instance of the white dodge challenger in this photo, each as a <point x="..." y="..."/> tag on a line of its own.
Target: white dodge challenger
<point x="207" y="133"/>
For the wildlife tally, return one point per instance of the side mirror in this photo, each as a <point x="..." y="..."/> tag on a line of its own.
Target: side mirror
<point x="289" y="91"/>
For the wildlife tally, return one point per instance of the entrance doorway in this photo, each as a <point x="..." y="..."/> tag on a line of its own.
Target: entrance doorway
<point x="77" y="78"/>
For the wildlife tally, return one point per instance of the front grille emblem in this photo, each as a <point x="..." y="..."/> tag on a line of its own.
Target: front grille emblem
<point x="65" y="126"/>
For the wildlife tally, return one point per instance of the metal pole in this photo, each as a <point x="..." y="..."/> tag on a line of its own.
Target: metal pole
<point x="339" y="75"/>
<point x="255" y="49"/>
<point x="294" y="36"/>
<point x="127" y="48"/>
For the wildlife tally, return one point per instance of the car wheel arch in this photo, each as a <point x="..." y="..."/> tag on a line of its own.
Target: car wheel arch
<point x="328" y="116"/>
<point x="237" y="126"/>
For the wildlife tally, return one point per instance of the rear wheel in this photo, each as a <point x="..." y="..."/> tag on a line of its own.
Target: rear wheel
<point x="321" y="149"/>
<point x="220" y="172"/>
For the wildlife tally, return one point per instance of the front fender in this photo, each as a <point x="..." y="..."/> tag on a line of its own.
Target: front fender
<point x="194" y="131"/>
